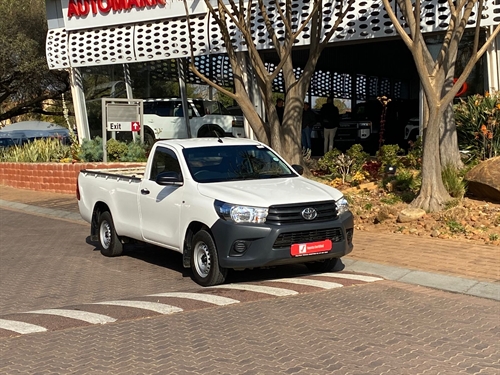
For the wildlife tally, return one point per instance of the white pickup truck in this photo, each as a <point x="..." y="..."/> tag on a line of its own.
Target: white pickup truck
<point x="224" y="203"/>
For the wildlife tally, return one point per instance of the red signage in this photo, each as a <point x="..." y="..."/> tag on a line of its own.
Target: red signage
<point x="84" y="7"/>
<point x="301" y="249"/>
<point x="136" y="126"/>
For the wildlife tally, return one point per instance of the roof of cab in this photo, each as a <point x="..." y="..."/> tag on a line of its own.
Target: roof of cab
<point x="208" y="142"/>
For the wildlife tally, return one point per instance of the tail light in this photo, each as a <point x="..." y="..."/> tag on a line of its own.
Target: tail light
<point x="77" y="191"/>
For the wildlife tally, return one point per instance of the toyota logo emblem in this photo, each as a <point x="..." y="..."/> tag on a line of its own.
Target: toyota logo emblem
<point x="309" y="213"/>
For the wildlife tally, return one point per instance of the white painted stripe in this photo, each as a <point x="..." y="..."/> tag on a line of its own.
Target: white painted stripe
<point x="88" y="317"/>
<point x="153" y="306"/>
<point x="368" y="279"/>
<point x="259" y="289"/>
<point x="310" y="282"/>
<point x="20" y="327"/>
<point x="216" y="300"/>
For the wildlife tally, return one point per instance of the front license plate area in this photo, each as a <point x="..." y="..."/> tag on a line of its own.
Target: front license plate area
<point x="310" y="248"/>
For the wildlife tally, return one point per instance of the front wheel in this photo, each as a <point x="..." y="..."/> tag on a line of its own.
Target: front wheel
<point x="205" y="261"/>
<point x="323" y="265"/>
<point x="109" y="241"/>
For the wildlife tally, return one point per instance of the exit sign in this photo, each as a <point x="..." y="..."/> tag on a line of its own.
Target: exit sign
<point x="132" y="126"/>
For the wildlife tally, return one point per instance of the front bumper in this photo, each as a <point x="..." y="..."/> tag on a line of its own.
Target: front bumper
<point x="269" y="245"/>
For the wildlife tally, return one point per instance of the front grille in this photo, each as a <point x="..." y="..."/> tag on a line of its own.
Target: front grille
<point x="288" y="239"/>
<point x="292" y="213"/>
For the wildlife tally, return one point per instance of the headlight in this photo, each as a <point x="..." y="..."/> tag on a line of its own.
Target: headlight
<point x="241" y="214"/>
<point x="342" y="205"/>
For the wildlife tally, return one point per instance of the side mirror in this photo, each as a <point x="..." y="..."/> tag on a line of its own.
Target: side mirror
<point x="298" y="168"/>
<point x="169" y="178"/>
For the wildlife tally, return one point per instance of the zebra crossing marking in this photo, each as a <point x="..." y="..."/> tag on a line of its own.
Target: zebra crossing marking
<point x="216" y="300"/>
<point x="88" y="317"/>
<point x="20" y="327"/>
<point x="160" y="308"/>
<point x="279" y="292"/>
<point x="310" y="282"/>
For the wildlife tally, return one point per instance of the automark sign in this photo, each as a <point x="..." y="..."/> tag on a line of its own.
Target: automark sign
<point x="82" y="14"/>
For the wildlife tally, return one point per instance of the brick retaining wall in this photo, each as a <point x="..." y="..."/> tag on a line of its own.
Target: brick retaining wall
<point x="53" y="177"/>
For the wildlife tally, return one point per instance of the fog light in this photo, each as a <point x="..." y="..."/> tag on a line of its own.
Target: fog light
<point x="349" y="234"/>
<point x="240" y="246"/>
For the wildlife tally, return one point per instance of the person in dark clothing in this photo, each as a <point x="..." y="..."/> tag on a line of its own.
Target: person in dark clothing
<point x="308" y="121"/>
<point x="280" y="109"/>
<point x="330" y="118"/>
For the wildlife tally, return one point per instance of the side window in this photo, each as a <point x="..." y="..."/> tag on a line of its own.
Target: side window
<point x="164" y="160"/>
<point x="164" y="109"/>
<point x="149" y="108"/>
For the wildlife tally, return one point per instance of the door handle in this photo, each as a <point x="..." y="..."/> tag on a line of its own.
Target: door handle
<point x="144" y="191"/>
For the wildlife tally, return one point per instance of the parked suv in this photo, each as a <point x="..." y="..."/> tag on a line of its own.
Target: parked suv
<point x="164" y="119"/>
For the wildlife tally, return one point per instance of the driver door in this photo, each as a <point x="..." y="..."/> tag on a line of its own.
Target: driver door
<point x="160" y="205"/>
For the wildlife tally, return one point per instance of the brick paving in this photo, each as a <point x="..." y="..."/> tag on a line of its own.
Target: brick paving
<point x="448" y="257"/>
<point x="384" y="327"/>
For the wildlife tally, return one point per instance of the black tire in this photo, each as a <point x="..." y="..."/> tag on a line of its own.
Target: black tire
<point x="323" y="265"/>
<point x="205" y="261"/>
<point x="109" y="242"/>
<point x="149" y="138"/>
<point x="211" y="131"/>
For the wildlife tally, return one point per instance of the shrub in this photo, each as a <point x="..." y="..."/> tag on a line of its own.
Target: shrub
<point x="116" y="150"/>
<point x="136" y="151"/>
<point x="37" y="151"/>
<point x="91" y="150"/>
<point x="389" y="155"/>
<point x="327" y="162"/>
<point x="478" y="124"/>
<point x="453" y="182"/>
<point x="358" y="157"/>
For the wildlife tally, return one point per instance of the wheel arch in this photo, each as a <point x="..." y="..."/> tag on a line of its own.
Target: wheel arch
<point x="99" y="208"/>
<point x="210" y="130"/>
<point x="193" y="228"/>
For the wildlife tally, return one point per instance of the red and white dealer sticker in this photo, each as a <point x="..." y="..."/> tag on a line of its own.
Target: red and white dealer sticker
<point x="301" y="249"/>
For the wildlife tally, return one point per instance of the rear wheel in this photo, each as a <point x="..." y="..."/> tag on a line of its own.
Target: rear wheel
<point x="211" y="130"/>
<point x="149" y="137"/>
<point x="323" y="265"/>
<point x="109" y="241"/>
<point x="205" y="261"/>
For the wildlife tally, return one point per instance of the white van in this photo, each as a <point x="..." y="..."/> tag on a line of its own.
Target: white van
<point x="164" y="119"/>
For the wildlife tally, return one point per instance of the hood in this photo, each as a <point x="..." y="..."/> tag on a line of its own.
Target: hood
<point x="265" y="193"/>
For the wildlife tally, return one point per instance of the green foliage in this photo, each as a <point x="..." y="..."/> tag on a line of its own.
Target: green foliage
<point x="358" y="157"/>
<point x="91" y="150"/>
<point x="493" y="237"/>
<point x="413" y="159"/>
<point x="389" y="155"/>
<point x="390" y="199"/>
<point x="327" y="162"/>
<point x="38" y="151"/>
<point x="26" y="80"/>
<point x="340" y="104"/>
<point x="136" y="151"/>
<point x="116" y="150"/>
<point x="455" y="226"/>
<point x="453" y="182"/>
<point x="478" y="124"/>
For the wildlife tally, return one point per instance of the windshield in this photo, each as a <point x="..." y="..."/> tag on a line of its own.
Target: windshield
<point x="234" y="163"/>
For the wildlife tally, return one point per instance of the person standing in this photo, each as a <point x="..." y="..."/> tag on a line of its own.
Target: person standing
<point x="280" y="109"/>
<point x="308" y="121"/>
<point x="330" y="118"/>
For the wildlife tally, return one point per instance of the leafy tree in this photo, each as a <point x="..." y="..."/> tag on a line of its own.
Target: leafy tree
<point x="340" y="104"/>
<point x="233" y="17"/>
<point x="436" y="75"/>
<point x="26" y="82"/>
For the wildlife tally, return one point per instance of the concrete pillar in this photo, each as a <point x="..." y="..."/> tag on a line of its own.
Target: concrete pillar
<point x="82" y="123"/>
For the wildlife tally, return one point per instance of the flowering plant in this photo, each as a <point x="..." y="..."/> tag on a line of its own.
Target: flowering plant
<point x="478" y="124"/>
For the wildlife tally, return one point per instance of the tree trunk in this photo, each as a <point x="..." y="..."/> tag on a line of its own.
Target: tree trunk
<point x="432" y="193"/>
<point x="448" y="144"/>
